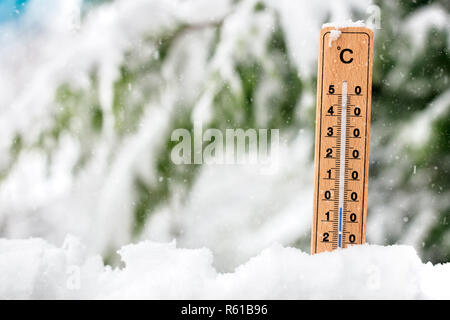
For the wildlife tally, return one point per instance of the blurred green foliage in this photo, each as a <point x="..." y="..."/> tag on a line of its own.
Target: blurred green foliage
<point x="423" y="79"/>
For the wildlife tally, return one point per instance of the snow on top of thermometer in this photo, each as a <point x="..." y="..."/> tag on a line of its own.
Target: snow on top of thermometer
<point x="344" y="24"/>
<point x="336" y="33"/>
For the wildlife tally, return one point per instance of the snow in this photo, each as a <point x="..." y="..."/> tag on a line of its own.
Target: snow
<point x="344" y="24"/>
<point x="419" y="130"/>
<point x="334" y="35"/>
<point x="35" y="269"/>
<point x="419" y="23"/>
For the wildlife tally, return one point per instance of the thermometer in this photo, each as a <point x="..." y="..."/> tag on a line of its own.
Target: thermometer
<point x="344" y="88"/>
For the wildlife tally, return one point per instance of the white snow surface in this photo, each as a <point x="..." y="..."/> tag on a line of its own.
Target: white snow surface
<point x="344" y="24"/>
<point x="35" y="269"/>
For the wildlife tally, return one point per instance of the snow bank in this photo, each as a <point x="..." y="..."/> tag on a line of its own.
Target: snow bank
<point x="34" y="269"/>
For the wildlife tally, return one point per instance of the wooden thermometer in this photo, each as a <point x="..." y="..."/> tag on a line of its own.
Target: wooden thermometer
<point x="344" y="87"/>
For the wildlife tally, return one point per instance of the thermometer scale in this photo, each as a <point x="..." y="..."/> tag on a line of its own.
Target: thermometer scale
<point x="344" y="88"/>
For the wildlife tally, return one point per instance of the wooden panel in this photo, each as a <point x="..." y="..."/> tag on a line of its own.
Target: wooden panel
<point x="344" y="88"/>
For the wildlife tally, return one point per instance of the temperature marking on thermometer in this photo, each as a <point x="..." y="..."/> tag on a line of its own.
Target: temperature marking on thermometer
<point x="344" y="89"/>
